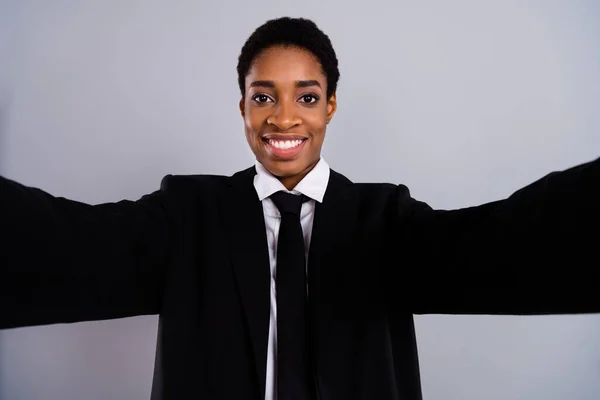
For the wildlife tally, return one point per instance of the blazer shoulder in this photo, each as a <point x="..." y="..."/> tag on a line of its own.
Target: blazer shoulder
<point x="373" y="190"/>
<point x="390" y="196"/>
<point x="186" y="183"/>
<point x="201" y="183"/>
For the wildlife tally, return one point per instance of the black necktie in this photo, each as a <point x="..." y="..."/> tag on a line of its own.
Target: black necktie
<point x="293" y="375"/>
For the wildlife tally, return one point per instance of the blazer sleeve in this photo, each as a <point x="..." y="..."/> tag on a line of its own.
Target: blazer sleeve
<point x="535" y="252"/>
<point x="64" y="261"/>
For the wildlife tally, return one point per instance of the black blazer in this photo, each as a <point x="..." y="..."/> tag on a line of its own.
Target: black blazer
<point x="195" y="252"/>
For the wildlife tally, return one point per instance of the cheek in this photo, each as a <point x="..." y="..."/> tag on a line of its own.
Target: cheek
<point x="251" y="128"/>
<point x="249" y="132"/>
<point x="248" y="124"/>
<point x="252" y="138"/>
<point x="254" y="122"/>
<point x="317" y="120"/>
<point x="318" y="126"/>
<point x="317" y="143"/>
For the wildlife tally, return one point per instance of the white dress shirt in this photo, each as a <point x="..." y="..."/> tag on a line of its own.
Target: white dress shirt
<point x="313" y="185"/>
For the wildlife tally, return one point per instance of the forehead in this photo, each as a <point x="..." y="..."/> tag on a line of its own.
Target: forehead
<point x="285" y="64"/>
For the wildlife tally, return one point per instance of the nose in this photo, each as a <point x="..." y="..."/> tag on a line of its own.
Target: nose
<point x="284" y="117"/>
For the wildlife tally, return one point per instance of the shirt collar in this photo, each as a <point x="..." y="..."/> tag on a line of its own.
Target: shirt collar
<point x="313" y="185"/>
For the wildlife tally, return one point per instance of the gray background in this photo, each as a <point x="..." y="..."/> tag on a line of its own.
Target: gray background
<point x="463" y="101"/>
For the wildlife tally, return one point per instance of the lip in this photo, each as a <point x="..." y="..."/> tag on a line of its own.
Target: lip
<point x="281" y="136"/>
<point x="284" y="154"/>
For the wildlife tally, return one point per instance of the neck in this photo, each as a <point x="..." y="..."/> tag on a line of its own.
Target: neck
<point x="290" y="182"/>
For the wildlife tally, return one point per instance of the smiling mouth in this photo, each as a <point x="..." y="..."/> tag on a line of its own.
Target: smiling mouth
<point x="284" y="144"/>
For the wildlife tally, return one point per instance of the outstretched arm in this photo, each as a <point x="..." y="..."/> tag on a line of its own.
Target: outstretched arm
<point x="535" y="252"/>
<point x="65" y="261"/>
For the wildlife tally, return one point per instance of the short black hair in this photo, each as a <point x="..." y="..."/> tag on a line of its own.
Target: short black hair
<point x="286" y="31"/>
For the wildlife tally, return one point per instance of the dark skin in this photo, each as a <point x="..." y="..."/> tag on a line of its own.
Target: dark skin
<point x="286" y="111"/>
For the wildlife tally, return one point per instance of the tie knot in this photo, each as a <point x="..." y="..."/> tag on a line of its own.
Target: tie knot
<point x="288" y="203"/>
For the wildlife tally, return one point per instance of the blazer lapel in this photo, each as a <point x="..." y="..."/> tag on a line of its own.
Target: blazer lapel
<point x="331" y="247"/>
<point x="247" y="245"/>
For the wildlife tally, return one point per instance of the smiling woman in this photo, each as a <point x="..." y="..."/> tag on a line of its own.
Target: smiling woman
<point x="307" y="293"/>
<point x="288" y="96"/>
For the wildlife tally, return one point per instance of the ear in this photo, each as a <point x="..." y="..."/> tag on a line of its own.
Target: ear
<point x="331" y="107"/>
<point x="242" y="109"/>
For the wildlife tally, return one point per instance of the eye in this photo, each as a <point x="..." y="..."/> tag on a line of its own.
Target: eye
<point x="261" y="98"/>
<point x="309" y="98"/>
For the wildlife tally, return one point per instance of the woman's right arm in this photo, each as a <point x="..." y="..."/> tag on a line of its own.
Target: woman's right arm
<point x="64" y="261"/>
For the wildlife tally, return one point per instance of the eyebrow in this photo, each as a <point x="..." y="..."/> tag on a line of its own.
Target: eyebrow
<point x="308" y="83"/>
<point x="299" y="84"/>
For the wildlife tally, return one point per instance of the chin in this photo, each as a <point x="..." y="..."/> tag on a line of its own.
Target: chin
<point x="284" y="169"/>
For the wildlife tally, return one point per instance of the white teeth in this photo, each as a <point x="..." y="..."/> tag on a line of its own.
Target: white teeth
<point x="284" y="144"/>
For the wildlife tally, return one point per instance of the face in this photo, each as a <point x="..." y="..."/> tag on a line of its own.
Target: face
<point x="286" y="111"/>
